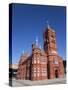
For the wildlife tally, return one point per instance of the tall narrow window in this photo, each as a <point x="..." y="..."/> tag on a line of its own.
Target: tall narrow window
<point x="34" y="74"/>
<point x="34" y="69"/>
<point x="38" y="74"/>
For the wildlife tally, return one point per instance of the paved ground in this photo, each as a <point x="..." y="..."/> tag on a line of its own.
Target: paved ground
<point x="18" y="83"/>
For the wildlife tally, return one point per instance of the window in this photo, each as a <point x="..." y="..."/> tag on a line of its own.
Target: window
<point x="34" y="61"/>
<point x="34" y="74"/>
<point x="38" y="61"/>
<point x="34" y="69"/>
<point x="38" y="74"/>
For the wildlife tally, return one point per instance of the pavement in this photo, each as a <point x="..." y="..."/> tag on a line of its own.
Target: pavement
<point x="20" y="83"/>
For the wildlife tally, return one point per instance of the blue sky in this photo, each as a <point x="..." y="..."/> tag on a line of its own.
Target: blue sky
<point x="29" y="21"/>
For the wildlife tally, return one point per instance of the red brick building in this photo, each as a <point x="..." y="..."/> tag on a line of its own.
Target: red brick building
<point x="43" y="63"/>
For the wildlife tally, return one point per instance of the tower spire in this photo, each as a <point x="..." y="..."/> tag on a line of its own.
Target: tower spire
<point x="40" y="46"/>
<point x="37" y="41"/>
<point x="48" y="26"/>
<point x="23" y="51"/>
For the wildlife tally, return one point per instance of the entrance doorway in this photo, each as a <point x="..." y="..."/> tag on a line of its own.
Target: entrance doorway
<point x="56" y="73"/>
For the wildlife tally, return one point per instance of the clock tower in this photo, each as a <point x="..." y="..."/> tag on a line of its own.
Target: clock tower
<point x="55" y="62"/>
<point x="50" y="41"/>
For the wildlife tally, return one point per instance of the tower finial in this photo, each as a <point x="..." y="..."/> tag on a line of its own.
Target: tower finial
<point x="36" y="40"/>
<point x="40" y="46"/>
<point x="48" y="26"/>
<point x="23" y="51"/>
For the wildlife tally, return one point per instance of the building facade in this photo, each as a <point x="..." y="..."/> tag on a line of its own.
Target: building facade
<point x="44" y="63"/>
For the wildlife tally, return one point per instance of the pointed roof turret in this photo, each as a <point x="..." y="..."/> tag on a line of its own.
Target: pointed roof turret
<point x="36" y="44"/>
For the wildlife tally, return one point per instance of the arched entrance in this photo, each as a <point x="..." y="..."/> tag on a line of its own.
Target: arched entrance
<point x="56" y="73"/>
